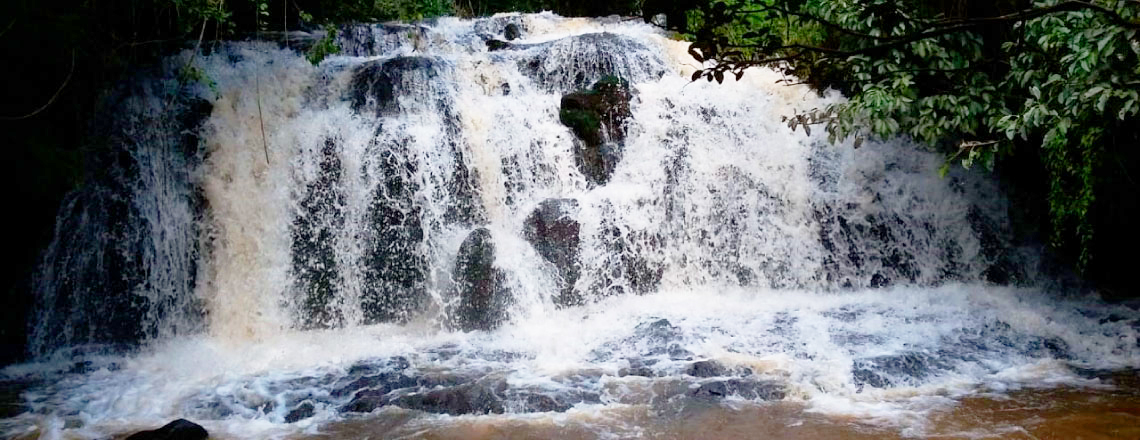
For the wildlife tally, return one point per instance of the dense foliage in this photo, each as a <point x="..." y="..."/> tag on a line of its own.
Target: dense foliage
<point x="1055" y="82"/>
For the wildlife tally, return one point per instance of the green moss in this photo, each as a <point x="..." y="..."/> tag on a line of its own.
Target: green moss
<point x="584" y="123"/>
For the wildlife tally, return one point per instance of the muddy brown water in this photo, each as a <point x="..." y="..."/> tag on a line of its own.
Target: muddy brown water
<point x="1110" y="412"/>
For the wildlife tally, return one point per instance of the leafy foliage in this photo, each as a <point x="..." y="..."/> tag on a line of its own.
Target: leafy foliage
<point x="979" y="80"/>
<point x="324" y="47"/>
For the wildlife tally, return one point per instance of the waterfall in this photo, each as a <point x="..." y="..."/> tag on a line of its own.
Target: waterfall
<point x="271" y="246"/>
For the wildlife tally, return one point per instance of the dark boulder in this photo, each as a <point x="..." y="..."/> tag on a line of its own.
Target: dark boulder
<point x="473" y="398"/>
<point x="637" y="367"/>
<point x="577" y="62"/>
<point x="553" y="230"/>
<point x="379" y="383"/>
<point x="706" y="369"/>
<point x="314" y="263"/>
<point x="483" y="295"/>
<point x="493" y="45"/>
<point x="180" y="429"/>
<point x="597" y="116"/>
<point x="746" y="389"/>
<point x="375" y="84"/>
<point x="512" y="32"/>
<point x="886" y="371"/>
<point x="301" y="412"/>
<point x="545" y="403"/>
<point x="395" y="267"/>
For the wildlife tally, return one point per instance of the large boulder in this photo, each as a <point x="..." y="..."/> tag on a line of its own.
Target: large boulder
<point x="577" y="62"/>
<point x="553" y="230"/>
<point x="483" y="397"/>
<point x="482" y="290"/>
<point x="597" y="116"/>
<point x="395" y="266"/>
<point x="376" y="84"/>
<point x="512" y="31"/>
<point x="314" y="227"/>
<point x="180" y="429"/>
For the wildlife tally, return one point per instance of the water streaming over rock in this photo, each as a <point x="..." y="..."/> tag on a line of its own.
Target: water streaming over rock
<point x="421" y="184"/>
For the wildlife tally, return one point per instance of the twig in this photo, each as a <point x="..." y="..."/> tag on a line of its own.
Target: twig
<point x="257" y="89"/>
<point x="8" y="28"/>
<point x="53" y="97"/>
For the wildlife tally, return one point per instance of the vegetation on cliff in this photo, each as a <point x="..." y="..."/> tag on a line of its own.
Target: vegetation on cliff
<point x="1047" y="90"/>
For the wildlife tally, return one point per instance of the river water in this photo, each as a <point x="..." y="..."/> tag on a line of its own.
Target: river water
<point x="280" y="262"/>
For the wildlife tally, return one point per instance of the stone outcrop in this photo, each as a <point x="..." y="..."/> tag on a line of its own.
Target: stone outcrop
<point x="180" y="429"/>
<point x="512" y="31"/>
<point x="483" y="295"/>
<point x="598" y="118"/>
<point x="375" y="84"/>
<point x="553" y="230"/>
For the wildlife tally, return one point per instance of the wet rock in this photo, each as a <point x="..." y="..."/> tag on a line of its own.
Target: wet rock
<point x="375" y="83"/>
<point x="637" y="367"/>
<point x="376" y="384"/>
<point x="472" y="398"/>
<point x="641" y="371"/>
<point x="654" y="339"/>
<point x="706" y="369"/>
<point x="886" y="371"/>
<point x="545" y="403"/>
<point x="180" y="429"/>
<point x="746" y="389"/>
<point x="376" y="39"/>
<point x="493" y="45"/>
<point x="395" y="266"/>
<point x="553" y="230"/>
<point x="12" y="402"/>
<point x="301" y="412"/>
<point x="314" y="262"/>
<point x="632" y="262"/>
<point x="592" y="57"/>
<point x="512" y="32"/>
<point x="598" y="118"/>
<point x="369" y="393"/>
<point x="95" y="265"/>
<point x="483" y="295"/>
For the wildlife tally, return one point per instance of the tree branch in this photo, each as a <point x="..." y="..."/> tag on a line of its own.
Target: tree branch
<point x="817" y="19"/>
<point x="53" y="97"/>
<point x="938" y="29"/>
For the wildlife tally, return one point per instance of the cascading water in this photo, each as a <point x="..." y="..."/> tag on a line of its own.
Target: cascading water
<point x="320" y="276"/>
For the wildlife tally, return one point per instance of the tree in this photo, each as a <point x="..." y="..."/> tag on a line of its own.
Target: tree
<point x="980" y="80"/>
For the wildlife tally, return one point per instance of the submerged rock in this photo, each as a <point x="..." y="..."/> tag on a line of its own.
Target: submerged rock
<point x="745" y="389"/>
<point x="180" y="429"/>
<point x="553" y="230"/>
<point x="886" y="371"/>
<point x="493" y="45"/>
<point x="472" y="398"/>
<point x="598" y="118"/>
<point x="483" y="295"/>
<point x="706" y="369"/>
<point x="655" y="339"/>
<point x="301" y="412"/>
<point x="636" y="368"/>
